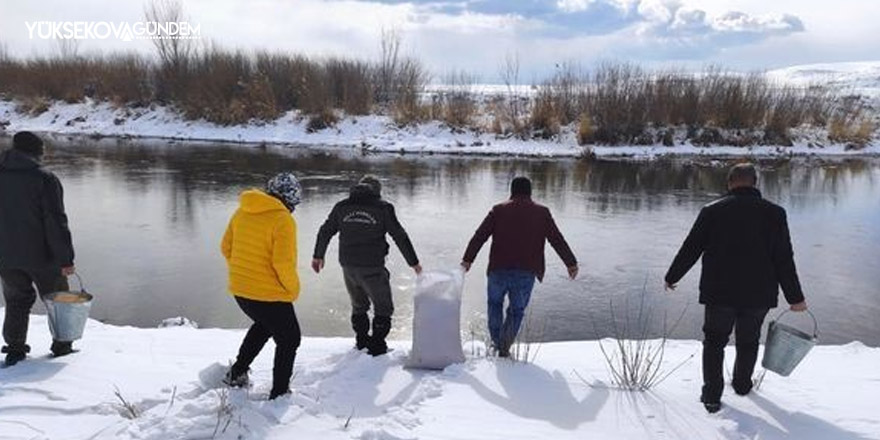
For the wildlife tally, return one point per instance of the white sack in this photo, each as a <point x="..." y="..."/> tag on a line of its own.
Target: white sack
<point x="436" y="320"/>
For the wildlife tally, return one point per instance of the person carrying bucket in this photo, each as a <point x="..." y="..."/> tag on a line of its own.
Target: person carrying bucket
<point x="260" y="250"/>
<point x="35" y="241"/>
<point x="747" y="255"/>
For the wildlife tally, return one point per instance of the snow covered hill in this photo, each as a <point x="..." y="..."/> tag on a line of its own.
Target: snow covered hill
<point x="861" y="78"/>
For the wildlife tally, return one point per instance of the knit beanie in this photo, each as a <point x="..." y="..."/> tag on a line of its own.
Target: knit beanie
<point x="285" y="187"/>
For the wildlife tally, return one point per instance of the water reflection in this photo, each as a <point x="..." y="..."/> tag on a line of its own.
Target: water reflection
<point x="147" y="219"/>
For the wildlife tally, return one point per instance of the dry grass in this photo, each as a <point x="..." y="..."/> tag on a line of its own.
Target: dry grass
<point x="636" y="360"/>
<point x="126" y="408"/>
<point x="459" y="107"/>
<point x="225" y="412"/>
<point x="585" y="130"/>
<point x="525" y="347"/>
<point x="409" y="86"/>
<point x="857" y="132"/>
<point x="222" y="86"/>
<point x="322" y="120"/>
<point x="625" y="102"/>
<point x="612" y="104"/>
<point x="544" y="121"/>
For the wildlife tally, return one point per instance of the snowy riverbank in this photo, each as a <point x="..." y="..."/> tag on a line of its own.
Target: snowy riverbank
<point x="171" y="374"/>
<point x="367" y="133"/>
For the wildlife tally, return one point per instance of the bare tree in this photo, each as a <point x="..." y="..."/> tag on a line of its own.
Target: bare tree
<point x="409" y="85"/>
<point x="389" y="64"/>
<point x="4" y="52"/>
<point x="173" y="52"/>
<point x="509" y="73"/>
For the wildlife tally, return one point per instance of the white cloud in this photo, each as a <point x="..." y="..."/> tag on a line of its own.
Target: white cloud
<point x="476" y="34"/>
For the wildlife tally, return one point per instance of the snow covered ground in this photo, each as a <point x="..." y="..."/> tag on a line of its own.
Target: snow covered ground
<point x="171" y="376"/>
<point x="367" y="133"/>
<point x="862" y="78"/>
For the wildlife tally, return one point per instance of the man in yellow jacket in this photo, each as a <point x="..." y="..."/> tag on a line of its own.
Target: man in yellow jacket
<point x="260" y="250"/>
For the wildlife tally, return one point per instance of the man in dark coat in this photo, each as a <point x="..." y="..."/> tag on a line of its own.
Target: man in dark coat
<point x="747" y="255"/>
<point x="35" y="244"/>
<point x="519" y="228"/>
<point x="362" y="220"/>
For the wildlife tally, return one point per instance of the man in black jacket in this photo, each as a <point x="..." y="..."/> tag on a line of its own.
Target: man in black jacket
<point x="35" y="244"/>
<point x="362" y="220"/>
<point x="747" y="256"/>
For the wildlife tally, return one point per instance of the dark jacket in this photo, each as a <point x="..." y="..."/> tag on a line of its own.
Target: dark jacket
<point x="746" y="250"/>
<point x="362" y="220"/>
<point x="33" y="225"/>
<point x="519" y="228"/>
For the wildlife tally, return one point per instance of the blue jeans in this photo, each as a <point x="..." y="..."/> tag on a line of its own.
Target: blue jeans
<point x="517" y="284"/>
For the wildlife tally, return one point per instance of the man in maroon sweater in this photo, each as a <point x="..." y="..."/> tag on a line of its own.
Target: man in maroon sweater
<point x="519" y="228"/>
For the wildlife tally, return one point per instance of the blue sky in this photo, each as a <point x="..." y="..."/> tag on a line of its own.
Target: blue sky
<point x="476" y="35"/>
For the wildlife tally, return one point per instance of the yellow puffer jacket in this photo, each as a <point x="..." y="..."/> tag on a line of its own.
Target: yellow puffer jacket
<point x="260" y="249"/>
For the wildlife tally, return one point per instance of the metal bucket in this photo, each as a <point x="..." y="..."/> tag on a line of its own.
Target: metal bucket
<point x="68" y="312"/>
<point x="786" y="346"/>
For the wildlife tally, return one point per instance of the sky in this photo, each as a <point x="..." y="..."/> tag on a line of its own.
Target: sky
<point x="478" y="35"/>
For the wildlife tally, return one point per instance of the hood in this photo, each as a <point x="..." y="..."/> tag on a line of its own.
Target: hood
<point x="362" y="192"/>
<point x="16" y="160"/>
<point x="745" y="191"/>
<point x="255" y="201"/>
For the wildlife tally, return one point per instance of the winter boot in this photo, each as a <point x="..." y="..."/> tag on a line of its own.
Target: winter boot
<point x="381" y="328"/>
<point x="15" y="355"/>
<point x="712" y="406"/>
<point x="236" y="379"/>
<point x="504" y="351"/>
<point x="61" y="348"/>
<point x="361" y="325"/>
<point x="274" y="394"/>
<point x="743" y="388"/>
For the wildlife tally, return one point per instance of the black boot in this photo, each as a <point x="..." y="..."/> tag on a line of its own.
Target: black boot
<point x="61" y="348"/>
<point x="381" y="328"/>
<point x="743" y="388"/>
<point x="361" y="325"/>
<point x="235" y="378"/>
<point x="712" y="406"/>
<point x="15" y="355"/>
<point x="274" y="394"/>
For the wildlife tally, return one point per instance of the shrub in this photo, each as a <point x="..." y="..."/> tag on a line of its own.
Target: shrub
<point x="856" y="132"/>
<point x="544" y="120"/>
<point x="350" y="85"/>
<point x="259" y="99"/>
<point x="585" y="130"/>
<point x="33" y="106"/>
<point x="324" y="119"/>
<point x="410" y="81"/>
<point x="458" y="105"/>
<point x="635" y="361"/>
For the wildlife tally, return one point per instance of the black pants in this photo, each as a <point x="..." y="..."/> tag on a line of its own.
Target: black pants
<point x="366" y="285"/>
<point x="19" y="294"/>
<point x="276" y="320"/>
<point x="717" y="326"/>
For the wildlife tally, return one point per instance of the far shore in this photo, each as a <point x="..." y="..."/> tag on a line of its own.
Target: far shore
<point x="375" y="134"/>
